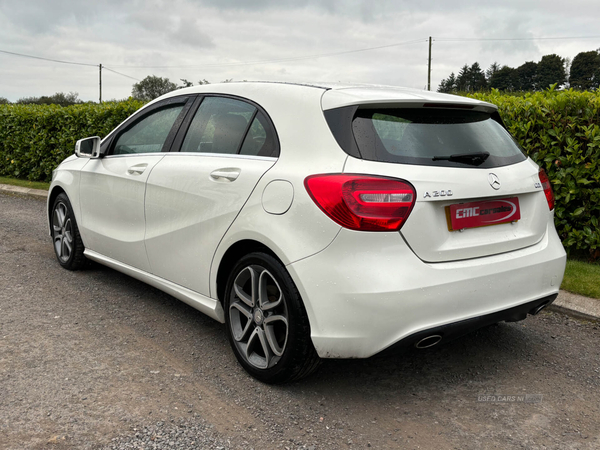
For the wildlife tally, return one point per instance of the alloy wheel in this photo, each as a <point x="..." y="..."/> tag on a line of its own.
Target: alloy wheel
<point x="258" y="317"/>
<point x="62" y="232"/>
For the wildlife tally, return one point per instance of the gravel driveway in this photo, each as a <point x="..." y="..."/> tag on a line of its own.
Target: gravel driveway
<point x="95" y="359"/>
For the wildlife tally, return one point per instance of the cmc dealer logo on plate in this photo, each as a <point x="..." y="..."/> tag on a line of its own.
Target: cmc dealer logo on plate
<point x="480" y="214"/>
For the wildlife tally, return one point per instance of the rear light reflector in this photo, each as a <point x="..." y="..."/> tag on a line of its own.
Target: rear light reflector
<point x="547" y="188"/>
<point x="363" y="202"/>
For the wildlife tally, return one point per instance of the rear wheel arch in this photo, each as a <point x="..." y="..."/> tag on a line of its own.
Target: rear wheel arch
<point x="232" y="256"/>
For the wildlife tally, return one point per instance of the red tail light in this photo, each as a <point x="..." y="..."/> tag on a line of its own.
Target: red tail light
<point x="547" y="188"/>
<point x="363" y="202"/>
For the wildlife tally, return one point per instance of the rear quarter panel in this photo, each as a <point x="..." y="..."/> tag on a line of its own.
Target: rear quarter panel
<point x="307" y="147"/>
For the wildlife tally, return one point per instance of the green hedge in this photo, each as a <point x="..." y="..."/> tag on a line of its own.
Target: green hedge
<point x="560" y="130"/>
<point x="34" y="139"/>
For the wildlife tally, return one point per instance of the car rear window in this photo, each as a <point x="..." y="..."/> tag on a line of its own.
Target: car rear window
<point x="219" y="126"/>
<point x="429" y="136"/>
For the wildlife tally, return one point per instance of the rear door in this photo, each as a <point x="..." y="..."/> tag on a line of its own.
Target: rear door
<point x="113" y="187"/>
<point x="195" y="194"/>
<point x="477" y="193"/>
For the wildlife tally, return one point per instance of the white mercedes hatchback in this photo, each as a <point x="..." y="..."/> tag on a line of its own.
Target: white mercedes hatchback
<point x="316" y="221"/>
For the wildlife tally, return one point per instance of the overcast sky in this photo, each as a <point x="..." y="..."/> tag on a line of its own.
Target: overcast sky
<point x="275" y="40"/>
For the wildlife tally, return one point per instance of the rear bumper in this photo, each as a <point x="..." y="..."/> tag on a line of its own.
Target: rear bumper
<point x="451" y="331"/>
<point x="367" y="292"/>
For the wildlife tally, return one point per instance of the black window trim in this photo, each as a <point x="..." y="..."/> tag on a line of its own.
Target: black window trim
<point x="183" y="129"/>
<point x="107" y="147"/>
<point x="248" y="126"/>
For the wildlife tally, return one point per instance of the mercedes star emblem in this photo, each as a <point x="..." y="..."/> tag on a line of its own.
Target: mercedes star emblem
<point x="494" y="181"/>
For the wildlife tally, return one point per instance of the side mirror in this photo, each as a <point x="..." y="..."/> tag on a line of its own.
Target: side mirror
<point x="88" y="147"/>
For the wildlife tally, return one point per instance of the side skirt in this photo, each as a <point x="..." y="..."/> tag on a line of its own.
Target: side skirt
<point x="206" y="305"/>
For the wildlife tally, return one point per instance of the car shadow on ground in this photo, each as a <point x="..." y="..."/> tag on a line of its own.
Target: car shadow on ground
<point x="479" y="363"/>
<point x="479" y="357"/>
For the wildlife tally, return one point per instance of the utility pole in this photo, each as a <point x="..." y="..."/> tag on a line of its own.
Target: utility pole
<point x="100" y="73"/>
<point x="429" y="67"/>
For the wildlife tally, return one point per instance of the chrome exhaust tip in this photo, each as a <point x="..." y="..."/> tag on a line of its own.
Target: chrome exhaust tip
<point x="537" y="309"/>
<point x="429" y="341"/>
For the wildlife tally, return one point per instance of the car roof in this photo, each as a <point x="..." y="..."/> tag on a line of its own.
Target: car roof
<point x="336" y="95"/>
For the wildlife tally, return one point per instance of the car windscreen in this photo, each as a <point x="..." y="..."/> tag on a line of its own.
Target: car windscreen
<point x="436" y="137"/>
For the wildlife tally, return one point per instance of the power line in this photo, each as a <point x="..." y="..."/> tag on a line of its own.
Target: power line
<point x="300" y="58"/>
<point x="66" y="62"/>
<point x="72" y="63"/>
<point x="243" y="63"/>
<point x="49" y="59"/>
<point x="515" y="39"/>
<point x="268" y="61"/>
<point x="119" y="73"/>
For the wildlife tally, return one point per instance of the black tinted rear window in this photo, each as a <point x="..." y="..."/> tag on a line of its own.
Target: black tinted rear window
<point x="438" y="137"/>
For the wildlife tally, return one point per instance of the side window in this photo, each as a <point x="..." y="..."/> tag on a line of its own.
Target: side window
<point x="219" y="126"/>
<point x="260" y="140"/>
<point x="149" y="134"/>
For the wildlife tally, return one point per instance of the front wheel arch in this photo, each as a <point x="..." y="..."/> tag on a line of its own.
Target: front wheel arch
<point x="66" y="240"/>
<point x="51" y="199"/>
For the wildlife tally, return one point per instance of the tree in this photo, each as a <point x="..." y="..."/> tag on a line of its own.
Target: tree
<point x="462" y="79"/>
<point x="503" y="79"/>
<point x="448" y="85"/>
<point x="152" y="87"/>
<point x="551" y="70"/>
<point x="185" y="83"/>
<point x="471" y="79"/>
<point x="585" y="71"/>
<point x="4" y="101"/>
<point x="477" y="78"/>
<point x="60" y="98"/>
<point x="489" y="73"/>
<point x="525" y="77"/>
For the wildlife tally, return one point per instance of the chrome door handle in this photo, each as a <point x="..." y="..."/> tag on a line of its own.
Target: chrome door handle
<point x="138" y="169"/>
<point x="228" y="173"/>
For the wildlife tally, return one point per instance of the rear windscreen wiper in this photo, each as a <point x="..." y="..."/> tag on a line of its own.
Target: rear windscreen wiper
<point x="473" y="159"/>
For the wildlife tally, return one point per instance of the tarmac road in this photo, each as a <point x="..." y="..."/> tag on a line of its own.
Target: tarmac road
<point x="95" y="359"/>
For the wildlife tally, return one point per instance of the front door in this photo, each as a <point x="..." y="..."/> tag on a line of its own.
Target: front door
<point x="113" y="188"/>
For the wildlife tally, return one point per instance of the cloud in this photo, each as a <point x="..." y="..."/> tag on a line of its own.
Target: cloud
<point x="170" y="25"/>
<point x="511" y="25"/>
<point x="188" y="32"/>
<point x="219" y="39"/>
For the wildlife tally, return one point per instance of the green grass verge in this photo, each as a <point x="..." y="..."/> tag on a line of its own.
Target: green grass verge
<point x="25" y="183"/>
<point x="582" y="278"/>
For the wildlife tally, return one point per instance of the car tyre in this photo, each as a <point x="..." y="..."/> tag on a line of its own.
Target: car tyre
<point x="68" y="246"/>
<point x="266" y="321"/>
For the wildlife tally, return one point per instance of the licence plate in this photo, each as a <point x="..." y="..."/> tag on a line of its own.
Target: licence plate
<point x="483" y="213"/>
